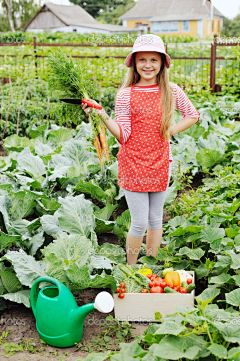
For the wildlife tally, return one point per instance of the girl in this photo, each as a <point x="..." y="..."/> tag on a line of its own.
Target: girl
<point x="144" y="111"/>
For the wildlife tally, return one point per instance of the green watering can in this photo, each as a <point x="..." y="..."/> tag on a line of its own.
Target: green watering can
<point x="59" y="320"/>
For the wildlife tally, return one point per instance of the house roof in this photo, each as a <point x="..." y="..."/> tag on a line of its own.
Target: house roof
<point x="76" y="15"/>
<point x="160" y="10"/>
<point x="109" y="27"/>
<point x="71" y="14"/>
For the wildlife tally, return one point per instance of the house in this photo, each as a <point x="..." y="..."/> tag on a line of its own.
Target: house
<point x="175" y="17"/>
<point x="68" y="18"/>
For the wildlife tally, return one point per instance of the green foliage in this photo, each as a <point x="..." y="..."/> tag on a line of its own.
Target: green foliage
<point x="54" y="201"/>
<point x="22" y="10"/>
<point x="93" y="7"/>
<point x="121" y="331"/>
<point x="231" y="28"/>
<point x="112" y="13"/>
<point x="25" y="345"/>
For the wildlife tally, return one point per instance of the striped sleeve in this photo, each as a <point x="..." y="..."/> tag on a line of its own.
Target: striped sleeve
<point x="184" y="105"/>
<point x="123" y="114"/>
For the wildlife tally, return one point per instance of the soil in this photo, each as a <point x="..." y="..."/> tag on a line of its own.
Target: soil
<point x="3" y="152"/>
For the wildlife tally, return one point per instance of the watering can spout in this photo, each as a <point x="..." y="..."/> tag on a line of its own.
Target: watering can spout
<point x="103" y="303"/>
<point x="81" y="313"/>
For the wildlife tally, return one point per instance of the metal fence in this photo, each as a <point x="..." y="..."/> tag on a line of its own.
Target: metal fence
<point x="193" y="67"/>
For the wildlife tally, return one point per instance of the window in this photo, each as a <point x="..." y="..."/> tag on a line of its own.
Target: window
<point x="155" y="27"/>
<point x="173" y="25"/>
<point x="164" y="26"/>
<point x="185" y="26"/>
<point x="138" y="25"/>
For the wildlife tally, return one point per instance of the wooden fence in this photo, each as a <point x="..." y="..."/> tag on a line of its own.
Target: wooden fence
<point x="217" y="87"/>
<point x="211" y="73"/>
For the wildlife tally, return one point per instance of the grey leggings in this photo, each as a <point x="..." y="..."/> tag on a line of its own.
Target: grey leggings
<point x="146" y="209"/>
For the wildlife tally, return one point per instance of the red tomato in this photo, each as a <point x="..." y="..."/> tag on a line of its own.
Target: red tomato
<point x="144" y="290"/>
<point x="178" y="288"/>
<point x="123" y="290"/>
<point x="175" y="288"/>
<point x="156" y="282"/>
<point x="149" y="276"/>
<point x="170" y="284"/>
<point x="156" y="289"/>
<point x="183" y="290"/>
<point x="151" y="284"/>
<point x="118" y="290"/>
<point x="163" y="284"/>
<point x="153" y="277"/>
<point x="189" y="280"/>
<point x="161" y="290"/>
<point x="121" y="295"/>
<point x="122" y="285"/>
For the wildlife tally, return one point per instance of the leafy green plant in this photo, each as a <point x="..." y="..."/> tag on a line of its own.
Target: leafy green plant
<point x="120" y="331"/>
<point x="25" y="345"/>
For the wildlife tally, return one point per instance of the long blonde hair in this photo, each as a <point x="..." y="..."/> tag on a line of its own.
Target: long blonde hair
<point x="167" y="100"/>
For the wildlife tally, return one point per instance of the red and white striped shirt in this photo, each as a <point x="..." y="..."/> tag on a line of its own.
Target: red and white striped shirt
<point x="123" y="111"/>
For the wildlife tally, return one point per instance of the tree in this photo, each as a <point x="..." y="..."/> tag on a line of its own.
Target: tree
<point x="21" y="12"/>
<point x="236" y="26"/>
<point x="9" y="11"/>
<point x="93" y="7"/>
<point x="27" y="9"/>
<point x="231" y="28"/>
<point x="110" y="15"/>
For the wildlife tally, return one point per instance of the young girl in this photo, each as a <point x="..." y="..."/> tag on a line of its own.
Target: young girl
<point x="144" y="111"/>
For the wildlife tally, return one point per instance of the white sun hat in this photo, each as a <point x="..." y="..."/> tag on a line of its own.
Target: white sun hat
<point x="148" y="42"/>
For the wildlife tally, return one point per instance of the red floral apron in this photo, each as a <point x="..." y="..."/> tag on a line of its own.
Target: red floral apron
<point x="143" y="161"/>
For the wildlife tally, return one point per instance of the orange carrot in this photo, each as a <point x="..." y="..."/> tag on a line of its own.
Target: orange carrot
<point x="104" y="143"/>
<point x="98" y="147"/>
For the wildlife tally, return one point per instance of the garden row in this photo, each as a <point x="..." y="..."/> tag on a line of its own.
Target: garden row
<point x="55" y="200"/>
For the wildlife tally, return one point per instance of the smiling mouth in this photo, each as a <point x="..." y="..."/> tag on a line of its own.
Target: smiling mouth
<point x="148" y="71"/>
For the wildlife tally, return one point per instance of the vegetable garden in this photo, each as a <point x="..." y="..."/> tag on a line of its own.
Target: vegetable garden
<point x="63" y="215"/>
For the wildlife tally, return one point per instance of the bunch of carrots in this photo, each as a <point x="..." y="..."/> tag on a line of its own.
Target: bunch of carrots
<point x="100" y="144"/>
<point x="100" y="141"/>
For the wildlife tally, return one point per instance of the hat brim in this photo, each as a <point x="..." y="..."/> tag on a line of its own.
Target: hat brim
<point x="149" y="48"/>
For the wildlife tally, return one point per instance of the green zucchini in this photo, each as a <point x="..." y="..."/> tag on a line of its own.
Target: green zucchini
<point x="190" y="287"/>
<point x="169" y="290"/>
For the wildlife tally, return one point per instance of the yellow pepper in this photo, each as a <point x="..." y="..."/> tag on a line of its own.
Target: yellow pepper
<point x="145" y="271"/>
<point x="173" y="277"/>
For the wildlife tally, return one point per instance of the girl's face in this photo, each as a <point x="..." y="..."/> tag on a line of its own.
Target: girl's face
<point x="148" y="64"/>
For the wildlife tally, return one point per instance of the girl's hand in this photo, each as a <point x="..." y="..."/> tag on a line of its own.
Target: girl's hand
<point x="101" y="112"/>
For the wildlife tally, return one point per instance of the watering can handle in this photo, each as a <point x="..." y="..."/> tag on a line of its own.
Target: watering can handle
<point x="35" y="290"/>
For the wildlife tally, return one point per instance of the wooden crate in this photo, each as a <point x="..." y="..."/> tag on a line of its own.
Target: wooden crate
<point x="140" y="307"/>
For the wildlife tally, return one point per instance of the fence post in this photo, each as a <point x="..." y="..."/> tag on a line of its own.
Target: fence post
<point x="166" y="47"/>
<point x="213" y="65"/>
<point x="35" y="53"/>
